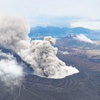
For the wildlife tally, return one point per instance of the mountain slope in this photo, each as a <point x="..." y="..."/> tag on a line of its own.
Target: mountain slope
<point x="76" y="41"/>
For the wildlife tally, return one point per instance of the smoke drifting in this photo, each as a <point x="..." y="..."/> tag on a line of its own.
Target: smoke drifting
<point x="14" y="32"/>
<point x="40" y="54"/>
<point x="82" y="37"/>
<point x="11" y="73"/>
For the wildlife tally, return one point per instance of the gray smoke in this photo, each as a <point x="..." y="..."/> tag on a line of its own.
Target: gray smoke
<point x="14" y="32"/>
<point x="11" y="73"/>
<point x="40" y="54"/>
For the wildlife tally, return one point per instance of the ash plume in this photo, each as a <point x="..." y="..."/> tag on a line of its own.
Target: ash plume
<point x="14" y="32"/>
<point x="40" y="54"/>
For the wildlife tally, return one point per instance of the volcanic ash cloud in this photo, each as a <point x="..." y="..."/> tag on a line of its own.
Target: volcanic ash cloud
<point x="11" y="73"/>
<point x="40" y="54"/>
<point x="14" y="32"/>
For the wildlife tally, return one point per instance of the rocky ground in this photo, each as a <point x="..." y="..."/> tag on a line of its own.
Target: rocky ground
<point x="83" y="86"/>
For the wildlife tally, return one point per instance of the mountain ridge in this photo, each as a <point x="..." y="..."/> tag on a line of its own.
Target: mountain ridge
<point x="59" y="32"/>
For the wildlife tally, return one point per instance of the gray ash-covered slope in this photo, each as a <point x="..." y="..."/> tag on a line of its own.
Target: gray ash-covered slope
<point x="82" y="86"/>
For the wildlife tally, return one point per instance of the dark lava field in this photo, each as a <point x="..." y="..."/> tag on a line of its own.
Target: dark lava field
<point x="82" y="86"/>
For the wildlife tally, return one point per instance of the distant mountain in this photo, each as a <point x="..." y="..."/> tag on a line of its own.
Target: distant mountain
<point x="58" y="32"/>
<point x="74" y="41"/>
<point x="39" y="32"/>
<point x="82" y="30"/>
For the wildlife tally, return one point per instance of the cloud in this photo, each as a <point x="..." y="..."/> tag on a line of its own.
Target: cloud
<point x="64" y="52"/>
<point x="52" y="21"/>
<point x="11" y="73"/>
<point x="91" y="24"/>
<point x="40" y="54"/>
<point x="33" y="9"/>
<point x="83" y="38"/>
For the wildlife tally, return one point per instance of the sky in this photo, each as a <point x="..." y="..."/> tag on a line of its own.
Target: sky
<point x="63" y="13"/>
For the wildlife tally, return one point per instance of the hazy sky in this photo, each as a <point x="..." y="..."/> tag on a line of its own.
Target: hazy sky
<point x="68" y="13"/>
